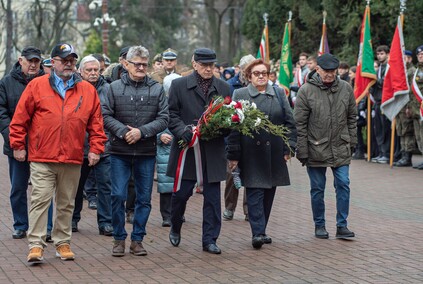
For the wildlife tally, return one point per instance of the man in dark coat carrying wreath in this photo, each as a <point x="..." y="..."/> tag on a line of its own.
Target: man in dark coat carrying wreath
<point x="188" y="97"/>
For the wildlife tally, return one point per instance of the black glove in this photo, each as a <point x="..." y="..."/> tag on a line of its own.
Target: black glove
<point x="186" y="136"/>
<point x="303" y="161"/>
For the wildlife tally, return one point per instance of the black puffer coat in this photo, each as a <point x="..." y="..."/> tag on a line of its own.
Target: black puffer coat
<point x="138" y="104"/>
<point x="11" y="89"/>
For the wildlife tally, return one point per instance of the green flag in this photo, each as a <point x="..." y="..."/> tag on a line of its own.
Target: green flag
<point x="285" y="69"/>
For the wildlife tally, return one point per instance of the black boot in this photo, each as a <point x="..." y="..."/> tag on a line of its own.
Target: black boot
<point x="405" y="161"/>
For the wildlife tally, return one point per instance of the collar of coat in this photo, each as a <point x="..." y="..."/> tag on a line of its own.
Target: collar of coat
<point x="254" y="92"/>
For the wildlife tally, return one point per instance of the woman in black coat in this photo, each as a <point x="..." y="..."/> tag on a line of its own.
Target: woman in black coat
<point x="262" y="159"/>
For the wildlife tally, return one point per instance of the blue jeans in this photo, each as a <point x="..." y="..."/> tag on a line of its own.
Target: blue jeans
<point x="19" y="177"/>
<point x="342" y="189"/>
<point x="90" y="187"/>
<point x="101" y="173"/>
<point x="121" y="167"/>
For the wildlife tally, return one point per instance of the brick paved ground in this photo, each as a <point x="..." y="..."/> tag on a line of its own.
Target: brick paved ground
<point x="386" y="215"/>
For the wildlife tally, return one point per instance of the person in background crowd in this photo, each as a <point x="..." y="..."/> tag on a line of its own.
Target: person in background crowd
<point x="343" y="71"/>
<point x="263" y="168"/>
<point x="415" y="107"/>
<point x="114" y="72"/>
<point x="11" y="88"/>
<point x="187" y="98"/>
<point x="170" y="61"/>
<point x="52" y="117"/>
<point x="311" y="63"/>
<point x="381" y="124"/>
<point x="300" y="75"/>
<point x="326" y="119"/>
<point x="47" y="66"/>
<point x="102" y="61"/>
<point x="135" y="112"/>
<point x="228" y="73"/>
<point x="157" y="63"/>
<point x="164" y="182"/>
<point x="89" y="69"/>
<point x="232" y="193"/>
<point x="273" y="78"/>
<point x="404" y="125"/>
<point x="361" y="120"/>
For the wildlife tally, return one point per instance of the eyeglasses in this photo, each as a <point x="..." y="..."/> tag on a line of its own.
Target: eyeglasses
<point x="71" y="61"/>
<point x="206" y="65"/>
<point x="138" y="65"/>
<point x="258" y="73"/>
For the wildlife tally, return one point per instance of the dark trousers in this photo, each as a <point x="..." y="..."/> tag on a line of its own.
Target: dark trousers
<point x="382" y="128"/>
<point x="165" y="205"/>
<point x="260" y="201"/>
<point x="79" y="199"/>
<point x="231" y="195"/>
<point x="212" y="221"/>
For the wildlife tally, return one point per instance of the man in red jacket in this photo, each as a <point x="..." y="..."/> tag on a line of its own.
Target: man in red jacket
<point x="51" y="119"/>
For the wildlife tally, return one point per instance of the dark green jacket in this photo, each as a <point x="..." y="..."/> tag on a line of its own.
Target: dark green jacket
<point x="326" y="122"/>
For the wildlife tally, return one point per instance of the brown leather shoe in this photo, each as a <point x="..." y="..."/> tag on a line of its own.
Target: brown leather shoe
<point x="136" y="248"/>
<point x="64" y="252"/>
<point x="35" y="255"/>
<point x="118" y="248"/>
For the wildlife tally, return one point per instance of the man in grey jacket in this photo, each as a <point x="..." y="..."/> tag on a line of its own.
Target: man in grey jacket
<point x="325" y="114"/>
<point x="135" y="112"/>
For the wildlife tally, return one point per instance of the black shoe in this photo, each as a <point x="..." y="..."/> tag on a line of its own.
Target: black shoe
<point x="48" y="237"/>
<point x="166" y="223"/>
<point x="74" y="227"/>
<point x="320" y="232"/>
<point x="257" y="242"/>
<point x="106" y="230"/>
<point x="358" y="155"/>
<point x="212" y="248"/>
<point x="174" y="238"/>
<point x="266" y="239"/>
<point x="92" y="205"/>
<point x="344" y="233"/>
<point x="19" y="234"/>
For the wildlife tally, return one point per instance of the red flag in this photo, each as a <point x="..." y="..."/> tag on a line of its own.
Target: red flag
<point x="365" y="75"/>
<point x="395" y="86"/>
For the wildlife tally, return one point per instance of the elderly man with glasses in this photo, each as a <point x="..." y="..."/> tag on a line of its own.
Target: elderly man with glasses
<point x="135" y="112"/>
<point x="11" y="89"/>
<point x="51" y="120"/>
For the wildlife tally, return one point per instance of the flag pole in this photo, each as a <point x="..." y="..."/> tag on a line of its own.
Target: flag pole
<point x="394" y="121"/>
<point x="266" y="28"/>
<point x="369" y="119"/>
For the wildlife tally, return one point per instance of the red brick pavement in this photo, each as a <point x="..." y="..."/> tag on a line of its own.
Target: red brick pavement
<point x="386" y="215"/>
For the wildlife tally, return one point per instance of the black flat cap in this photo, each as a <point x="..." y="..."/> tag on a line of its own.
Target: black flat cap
<point x="204" y="55"/>
<point x="30" y="52"/>
<point x="63" y="50"/>
<point x="328" y="61"/>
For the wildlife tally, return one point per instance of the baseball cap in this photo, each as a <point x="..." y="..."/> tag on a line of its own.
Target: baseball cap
<point x="31" y="52"/>
<point x="63" y="50"/>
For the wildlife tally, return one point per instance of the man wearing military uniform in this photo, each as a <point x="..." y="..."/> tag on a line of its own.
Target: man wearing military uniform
<point x="415" y="109"/>
<point x="169" y="59"/>
<point x="404" y="125"/>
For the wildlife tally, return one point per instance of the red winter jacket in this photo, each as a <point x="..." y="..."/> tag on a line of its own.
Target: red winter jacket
<point x="55" y="126"/>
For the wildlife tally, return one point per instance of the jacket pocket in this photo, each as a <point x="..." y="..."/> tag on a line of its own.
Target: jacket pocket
<point x="345" y="146"/>
<point x="319" y="150"/>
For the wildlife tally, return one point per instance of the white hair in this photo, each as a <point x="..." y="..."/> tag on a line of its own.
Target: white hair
<point x="85" y="60"/>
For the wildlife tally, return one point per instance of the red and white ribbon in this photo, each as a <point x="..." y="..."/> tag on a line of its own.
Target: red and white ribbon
<point x="417" y="93"/>
<point x="195" y="144"/>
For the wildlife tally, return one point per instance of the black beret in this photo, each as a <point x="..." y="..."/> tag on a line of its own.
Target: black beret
<point x="419" y="49"/>
<point x="327" y="61"/>
<point x="408" y="52"/>
<point x="204" y="55"/>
